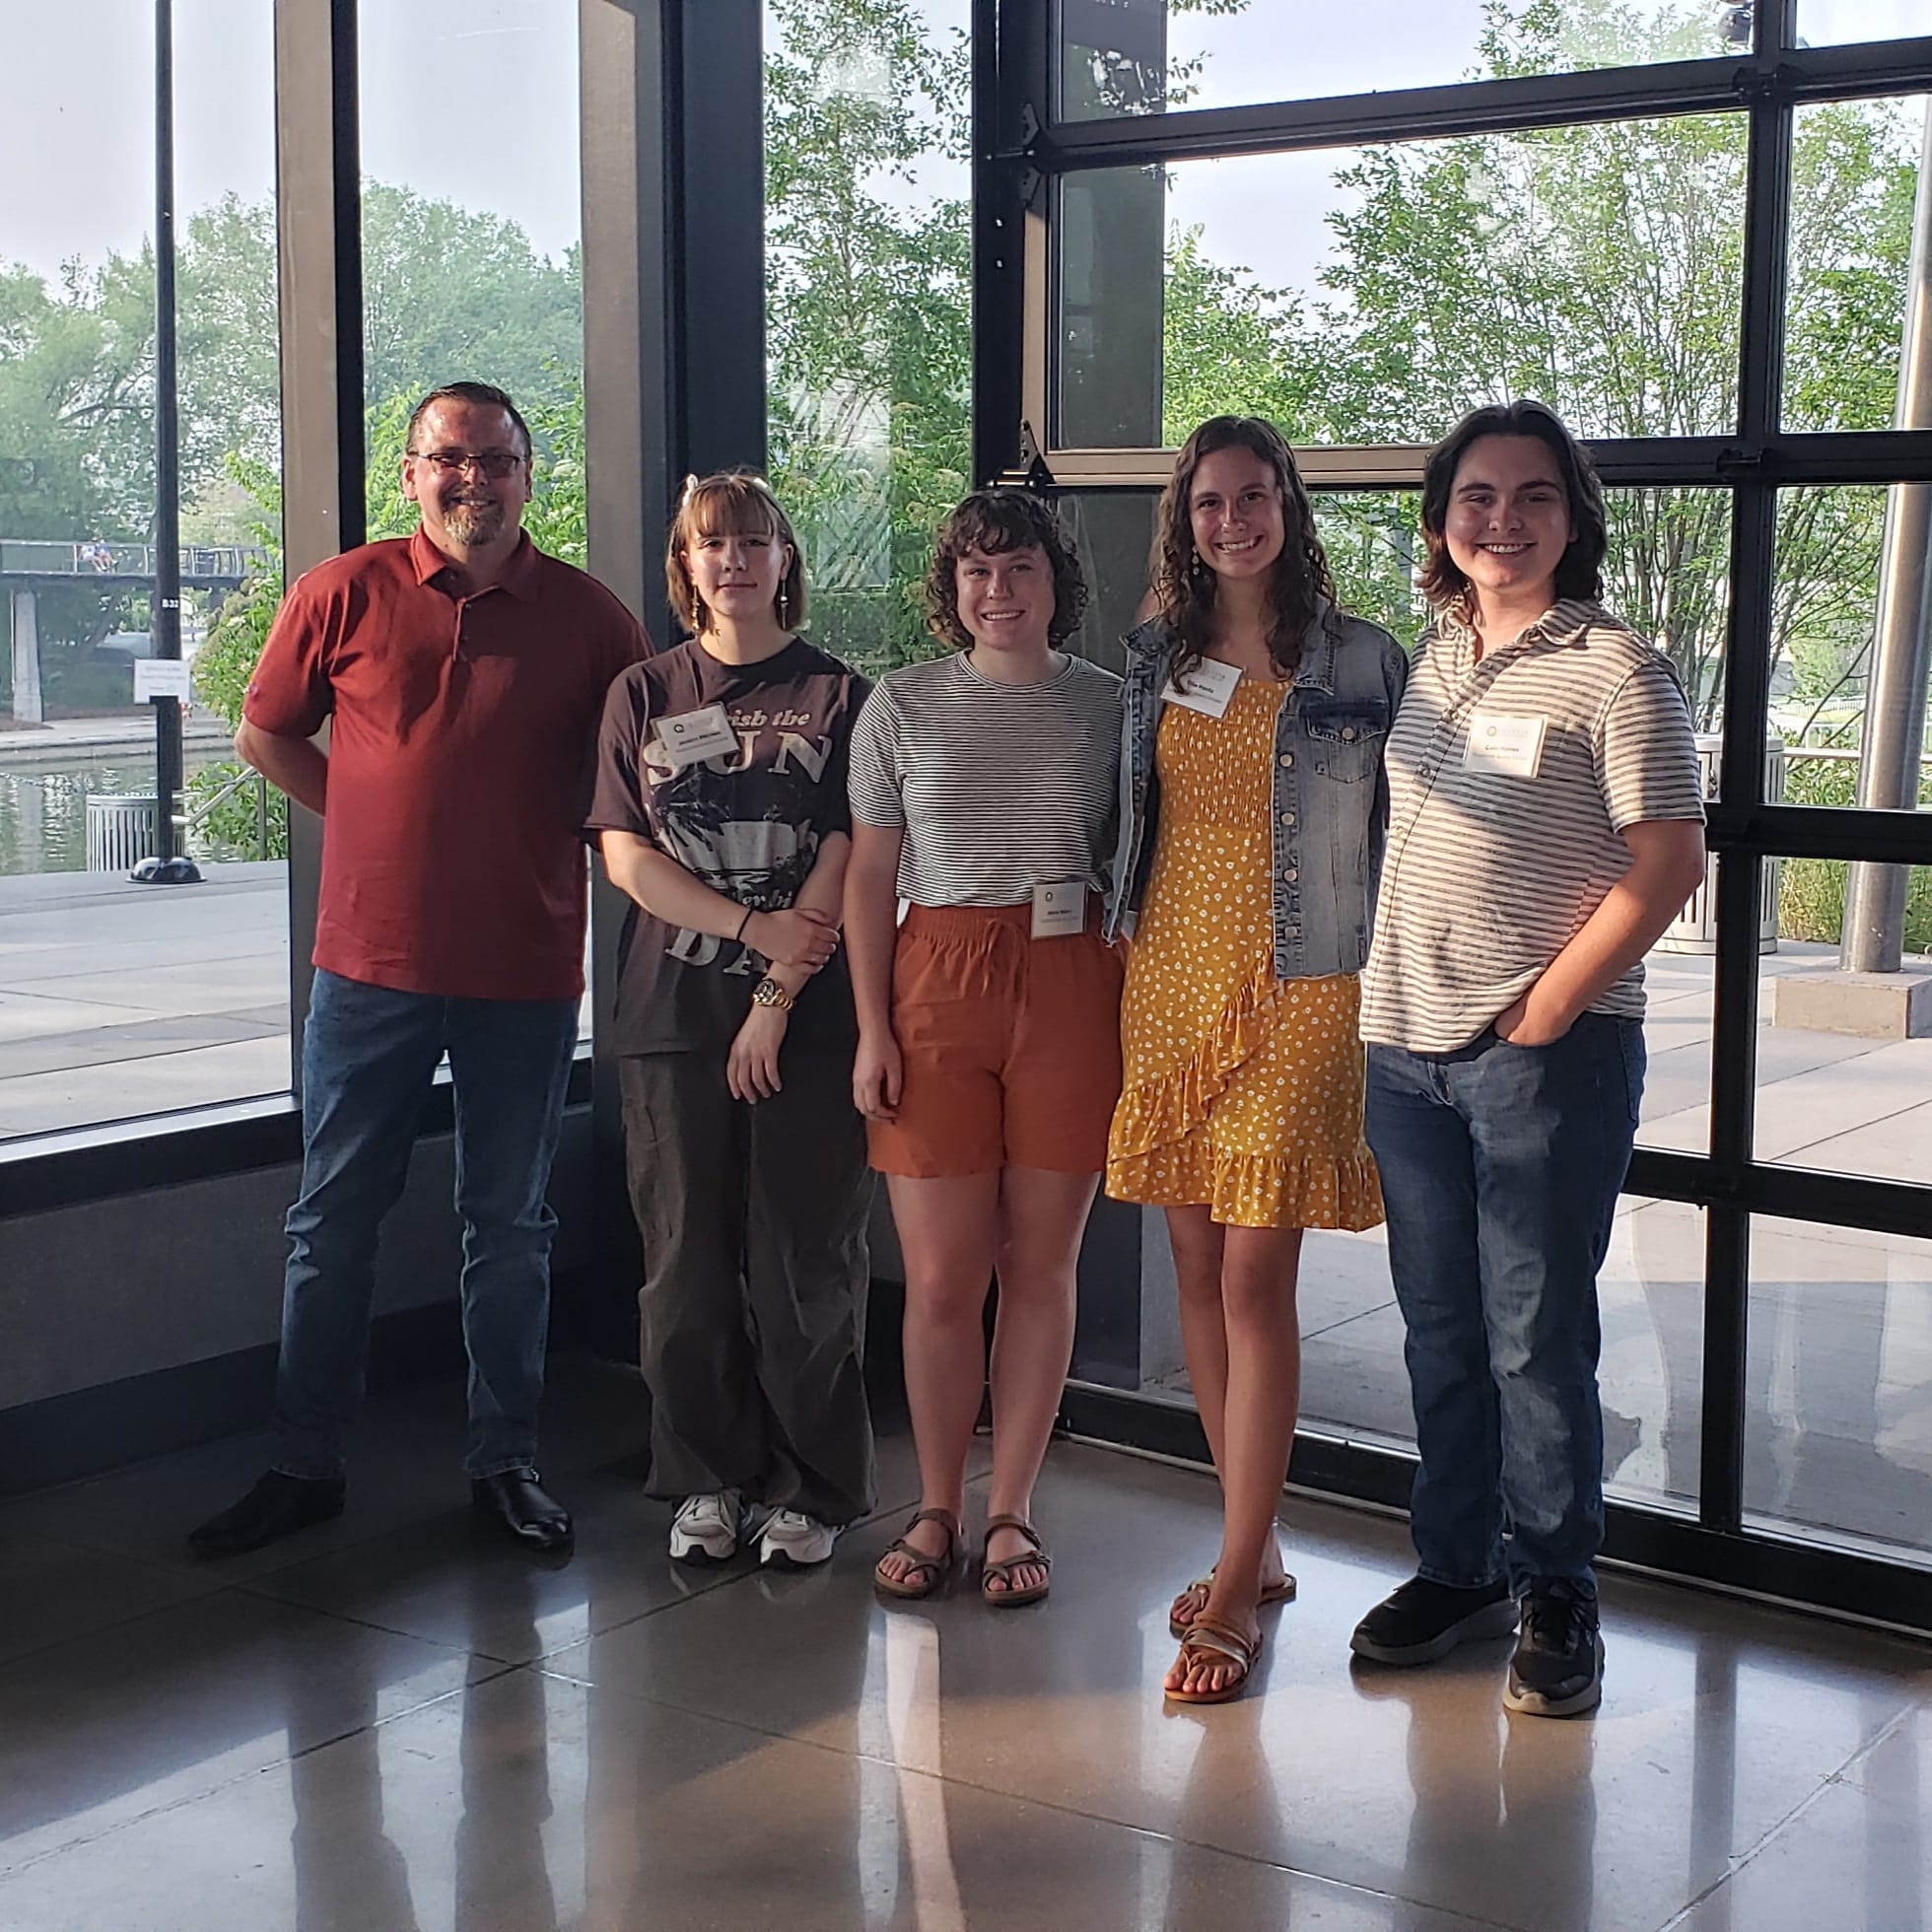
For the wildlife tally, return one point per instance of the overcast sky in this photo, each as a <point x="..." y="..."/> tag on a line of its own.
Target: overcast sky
<point x="496" y="128"/>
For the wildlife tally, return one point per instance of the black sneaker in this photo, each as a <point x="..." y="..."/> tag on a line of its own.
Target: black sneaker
<point x="1557" y="1670"/>
<point x="1421" y="1620"/>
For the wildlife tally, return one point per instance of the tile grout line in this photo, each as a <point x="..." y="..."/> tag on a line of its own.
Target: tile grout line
<point x="1023" y="1798"/>
<point x="1797" y="1810"/>
<point x="215" y="1790"/>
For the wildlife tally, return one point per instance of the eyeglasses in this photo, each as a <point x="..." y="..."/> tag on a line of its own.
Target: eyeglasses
<point x="494" y="463"/>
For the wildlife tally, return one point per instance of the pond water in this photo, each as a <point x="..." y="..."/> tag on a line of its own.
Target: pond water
<point x="43" y="809"/>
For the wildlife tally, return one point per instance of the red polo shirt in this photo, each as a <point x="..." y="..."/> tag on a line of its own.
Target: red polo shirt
<point x="464" y="735"/>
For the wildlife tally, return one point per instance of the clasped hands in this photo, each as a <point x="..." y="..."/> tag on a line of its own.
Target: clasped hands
<point x="801" y="938"/>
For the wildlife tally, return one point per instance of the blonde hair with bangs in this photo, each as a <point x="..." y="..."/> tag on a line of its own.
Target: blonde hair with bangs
<point x="729" y="503"/>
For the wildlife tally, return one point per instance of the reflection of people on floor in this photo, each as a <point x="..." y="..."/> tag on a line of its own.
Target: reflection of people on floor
<point x="1493" y="1796"/>
<point x="503" y="1873"/>
<point x="347" y="1870"/>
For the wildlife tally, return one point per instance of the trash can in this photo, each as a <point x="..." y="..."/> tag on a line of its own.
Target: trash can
<point x="122" y="829"/>
<point x="1695" y="929"/>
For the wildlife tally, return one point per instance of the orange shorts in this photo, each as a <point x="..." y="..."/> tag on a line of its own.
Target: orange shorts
<point x="1011" y="1045"/>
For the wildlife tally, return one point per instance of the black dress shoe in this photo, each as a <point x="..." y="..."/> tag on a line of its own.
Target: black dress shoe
<point x="515" y="1499"/>
<point x="277" y="1506"/>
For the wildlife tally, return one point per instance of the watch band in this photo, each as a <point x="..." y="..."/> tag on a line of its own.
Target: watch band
<point x="768" y="992"/>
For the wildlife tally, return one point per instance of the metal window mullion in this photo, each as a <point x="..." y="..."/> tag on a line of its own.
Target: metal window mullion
<point x="1010" y="61"/>
<point x="318" y="245"/>
<point x="1741" y="778"/>
<point x="1664" y="89"/>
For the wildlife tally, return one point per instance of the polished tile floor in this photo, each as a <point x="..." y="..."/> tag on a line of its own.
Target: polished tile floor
<point x="393" y="1724"/>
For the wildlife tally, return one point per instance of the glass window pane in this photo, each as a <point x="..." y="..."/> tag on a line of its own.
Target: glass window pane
<point x="1849" y="678"/>
<point x="1838" y="1431"/>
<point x="472" y="236"/>
<point x="119" y="1001"/>
<point x="1374" y="295"/>
<point x="1854" y="177"/>
<point x="1832" y="23"/>
<point x="1841" y="1083"/>
<point x="1146" y="56"/>
<point x="869" y="320"/>
<point x="1651" y="1293"/>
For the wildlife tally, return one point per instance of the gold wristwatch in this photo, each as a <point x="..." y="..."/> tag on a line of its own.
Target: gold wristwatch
<point x="768" y="992"/>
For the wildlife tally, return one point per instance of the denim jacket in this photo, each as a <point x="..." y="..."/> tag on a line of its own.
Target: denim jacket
<point x="1330" y="799"/>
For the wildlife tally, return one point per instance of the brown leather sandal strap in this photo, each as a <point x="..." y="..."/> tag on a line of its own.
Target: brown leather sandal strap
<point x="1218" y="1640"/>
<point x="1020" y="1527"/>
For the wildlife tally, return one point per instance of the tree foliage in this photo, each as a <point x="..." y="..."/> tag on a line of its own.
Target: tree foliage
<point x="868" y="318"/>
<point x="1599" y="268"/>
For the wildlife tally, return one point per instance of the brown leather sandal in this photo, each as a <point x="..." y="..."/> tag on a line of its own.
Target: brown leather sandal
<point x="934" y="1570"/>
<point x="1210" y="1642"/>
<point x="1009" y="1597"/>
<point x="1275" y="1593"/>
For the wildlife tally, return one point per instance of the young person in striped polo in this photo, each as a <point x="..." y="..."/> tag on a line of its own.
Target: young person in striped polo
<point x="1547" y="824"/>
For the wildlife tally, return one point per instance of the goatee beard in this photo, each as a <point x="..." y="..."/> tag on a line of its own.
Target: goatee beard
<point x="474" y="523"/>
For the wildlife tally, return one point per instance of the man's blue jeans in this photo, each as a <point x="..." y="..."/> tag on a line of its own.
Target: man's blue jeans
<point x="1501" y="1171"/>
<point x="368" y="1059"/>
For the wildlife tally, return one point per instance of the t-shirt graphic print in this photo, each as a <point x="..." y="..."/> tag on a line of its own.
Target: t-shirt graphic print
<point x="746" y="819"/>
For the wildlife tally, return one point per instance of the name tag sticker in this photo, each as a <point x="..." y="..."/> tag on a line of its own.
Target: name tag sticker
<point x="1206" y="688"/>
<point x="694" y="734"/>
<point x="1509" y="746"/>
<point x="1060" y="910"/>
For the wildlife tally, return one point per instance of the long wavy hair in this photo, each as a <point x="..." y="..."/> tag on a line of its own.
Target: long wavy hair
<point x="1184" y="581"/>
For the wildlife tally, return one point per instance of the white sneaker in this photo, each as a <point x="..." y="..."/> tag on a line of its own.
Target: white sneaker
<point x="705" y="1529"/>
<point x="794" y="1541"/>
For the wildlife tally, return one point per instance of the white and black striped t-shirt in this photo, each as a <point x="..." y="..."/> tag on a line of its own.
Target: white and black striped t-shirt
<point x="1490" y="870"/>
<point x="997" y="788"/>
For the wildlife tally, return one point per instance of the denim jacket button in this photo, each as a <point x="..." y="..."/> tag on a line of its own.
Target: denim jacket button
<point x="1287" y="759"/>
<point x="1292" y="874"/>
<point x="1287" y="818"/>
<point x="1347" y="731"/>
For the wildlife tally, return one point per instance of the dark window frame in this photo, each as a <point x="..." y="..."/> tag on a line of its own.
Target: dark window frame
<point x="1022" y="152"/>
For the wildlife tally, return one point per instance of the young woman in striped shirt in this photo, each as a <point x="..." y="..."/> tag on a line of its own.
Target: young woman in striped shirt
<point x="983" y="786"/>
<point x="1546" y="826"/>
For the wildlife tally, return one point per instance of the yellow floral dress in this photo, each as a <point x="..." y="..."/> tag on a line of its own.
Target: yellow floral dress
<point x="1242" y="1093"/>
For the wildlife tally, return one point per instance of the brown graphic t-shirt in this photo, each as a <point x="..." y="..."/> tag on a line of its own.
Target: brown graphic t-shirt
<point x="747" y="822"/>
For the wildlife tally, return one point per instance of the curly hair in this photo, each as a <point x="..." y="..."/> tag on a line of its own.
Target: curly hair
<point x="994" y="521"/>
<point x="1579" y="573"/>
<point x="733" y="503"/>
<point x="1184" y="583"/>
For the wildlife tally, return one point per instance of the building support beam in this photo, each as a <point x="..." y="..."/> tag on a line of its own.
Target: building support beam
<point x="29" y="707"/>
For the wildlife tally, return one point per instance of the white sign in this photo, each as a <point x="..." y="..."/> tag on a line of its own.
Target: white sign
<point x="161" y="677"/>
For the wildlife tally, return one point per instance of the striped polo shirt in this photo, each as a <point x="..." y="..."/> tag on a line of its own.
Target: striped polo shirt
<point x="1512" y="778"/>
<point x="997" y="788"/>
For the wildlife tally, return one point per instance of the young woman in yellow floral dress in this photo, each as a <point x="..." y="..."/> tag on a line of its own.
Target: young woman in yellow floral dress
<point x="1252" y="809"/>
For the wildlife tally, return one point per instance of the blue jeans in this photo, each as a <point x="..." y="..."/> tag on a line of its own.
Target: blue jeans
<point x="368" y="1059"/>
<point x="1501" y="1171"/>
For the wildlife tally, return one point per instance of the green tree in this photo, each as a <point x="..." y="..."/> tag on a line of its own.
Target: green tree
<point x="1600" y="269"/>
<point x="868" y="315"/>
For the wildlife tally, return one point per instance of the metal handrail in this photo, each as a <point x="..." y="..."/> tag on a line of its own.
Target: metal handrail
<point x="39" y="557"/>
<point x="194" y="820"/>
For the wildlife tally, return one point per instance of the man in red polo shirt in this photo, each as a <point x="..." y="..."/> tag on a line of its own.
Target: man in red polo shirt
<point x="461" y="673"/>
